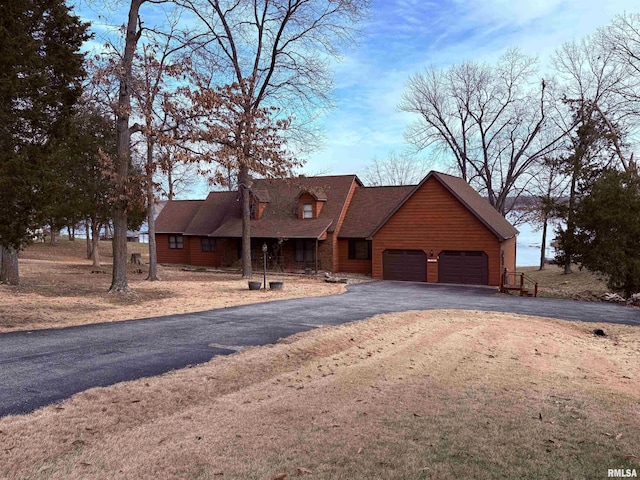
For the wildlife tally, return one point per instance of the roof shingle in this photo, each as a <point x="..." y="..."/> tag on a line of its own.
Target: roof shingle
<point x="220" y="215"/>
<point x="471" y="199"/>
<point x="176" y="215"/>
<point x="369" y="207"/>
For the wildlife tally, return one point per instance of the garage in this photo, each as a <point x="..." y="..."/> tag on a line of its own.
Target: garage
<point x="463" y="267"/>
<point x="406" y="265"/>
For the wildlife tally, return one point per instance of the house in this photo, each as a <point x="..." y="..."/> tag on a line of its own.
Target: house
<point x="440" y="230"/>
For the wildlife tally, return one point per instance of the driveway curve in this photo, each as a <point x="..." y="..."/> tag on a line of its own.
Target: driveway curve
<point x="45" y="366"/>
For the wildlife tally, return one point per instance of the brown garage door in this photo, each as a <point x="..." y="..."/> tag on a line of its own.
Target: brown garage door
<point x="407" y="265"/>
<point x="466" y="267"/>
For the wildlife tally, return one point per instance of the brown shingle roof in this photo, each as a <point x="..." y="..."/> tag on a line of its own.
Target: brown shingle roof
<point x="176" y="215"/>
<point x="279" y="219"/>
<point x="279" y="228"/>
<point x="220" y="214"/>
<point x="218" y="208"/>
<point x="477" y="205"/>
<point x="369" y="207"/>
<point x="284" y="195"/>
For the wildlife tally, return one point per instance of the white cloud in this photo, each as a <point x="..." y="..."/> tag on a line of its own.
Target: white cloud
<point x="405" y="36"/>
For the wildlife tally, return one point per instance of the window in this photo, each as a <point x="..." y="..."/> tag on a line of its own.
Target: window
<point x="175" y="241"/>
<point x="359" y="249"/>
<point x="208" y="244"/>
<point x="307" y="210"/>
<point x="305" y="250"/>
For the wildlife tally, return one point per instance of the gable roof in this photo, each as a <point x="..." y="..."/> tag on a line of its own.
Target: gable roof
<point x="280" y="218"/>
<point x="218" y="208"/>
<point x="176" y="215"/>
<point x="369" y="207"/>
<point x="471" y="199"/>
<point x="220" y="215"/>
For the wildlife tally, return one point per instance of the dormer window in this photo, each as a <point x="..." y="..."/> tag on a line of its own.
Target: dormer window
<point x="259" y="201"/>
<point x="310" y="203"/>
<point x="307" y="210"/>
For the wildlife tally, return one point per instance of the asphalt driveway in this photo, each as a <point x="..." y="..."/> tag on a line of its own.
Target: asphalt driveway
<point x="42" y="367"/>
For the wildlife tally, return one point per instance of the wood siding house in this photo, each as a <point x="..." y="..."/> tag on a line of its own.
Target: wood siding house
<point x="441" y="230"/>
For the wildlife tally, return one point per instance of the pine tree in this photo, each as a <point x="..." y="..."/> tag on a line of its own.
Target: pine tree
<point x="588" y="156"/>
<point x="607" y="224"/>
<point x="41" y="71"/>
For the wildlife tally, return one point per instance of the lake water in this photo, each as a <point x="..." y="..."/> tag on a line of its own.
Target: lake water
<point x="528" y="245"/>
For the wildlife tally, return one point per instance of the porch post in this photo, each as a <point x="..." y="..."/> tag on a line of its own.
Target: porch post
<point x="316" y="256"/>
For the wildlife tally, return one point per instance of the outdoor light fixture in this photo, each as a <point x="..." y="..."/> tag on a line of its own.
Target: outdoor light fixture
<point x="264" y="255"/>
<point x="431" y="253"/>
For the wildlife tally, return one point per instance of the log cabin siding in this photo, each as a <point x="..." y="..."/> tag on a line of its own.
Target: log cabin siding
<point x="434" y="220"/>
<point x="335" y="244"/>
<point x="204" y="259"/>
<point x="171" y="255"/>
<point x="351" y="266"/>
<point x="509" y="249"/>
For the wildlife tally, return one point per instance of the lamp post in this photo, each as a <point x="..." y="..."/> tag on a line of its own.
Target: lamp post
<point x="264" y="255"/>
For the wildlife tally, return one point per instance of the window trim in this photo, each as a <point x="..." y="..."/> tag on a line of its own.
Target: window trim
<point x="176" y="242"/>
<point x="307" y="213"/>
<point x="207" y="244"/>
<point x="353" y="250"/>
<point x="308" y="249"/>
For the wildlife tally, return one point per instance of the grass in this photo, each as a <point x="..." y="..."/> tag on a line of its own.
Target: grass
<point x="580" y="284"/>
<point x="416" y="395"/>
<point x="59" y="287"/>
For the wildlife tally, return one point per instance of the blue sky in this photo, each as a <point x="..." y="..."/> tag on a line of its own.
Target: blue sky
<point x="403" y="37"/>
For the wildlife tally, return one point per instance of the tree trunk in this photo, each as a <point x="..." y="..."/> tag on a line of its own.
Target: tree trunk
<point x="123" y="135"/>
<point x="543" y="246"/>
<point x="9" y="272"/>
<point x="244" y="184"/>
<point x="95" y="238"/>
<point x="119" y="243"/>
<point x="571" y="229"/>
<point x="151" y="221"/>
<point x="170" y="193"/>
<point x="72" y="233"/>
<point x="87" y="233"/>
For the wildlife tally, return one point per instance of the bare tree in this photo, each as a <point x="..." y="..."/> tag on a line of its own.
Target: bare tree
<point x="133" y="33"/>
<point x="244" y="140"/>
<point x="277" y="53"/>
<point x="622" y="37"/>
<point x="492" y="121"/>
<point x="395" y="169"/>
<point x="599" y="73"/>
<point x="157" y="64"/>
<point x="133" y="30"/>
<point x="175" y="173"/>
<point x="549" y="183"/>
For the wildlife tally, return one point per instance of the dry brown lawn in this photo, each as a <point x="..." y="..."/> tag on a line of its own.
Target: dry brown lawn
<point x="580" y="284"/>
<point x="58" y="289"/>
<point x="416" y="395"/>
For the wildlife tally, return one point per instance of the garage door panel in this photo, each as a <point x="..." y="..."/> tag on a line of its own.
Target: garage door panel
<point x="407" y="265"/>
<point x="463" y="267"/>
